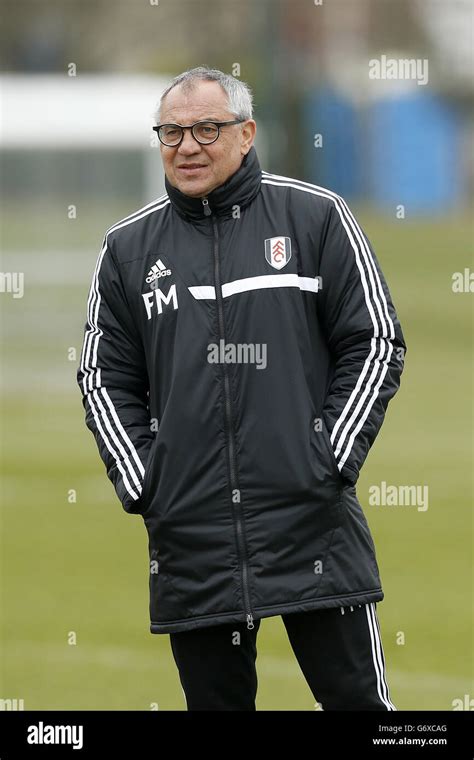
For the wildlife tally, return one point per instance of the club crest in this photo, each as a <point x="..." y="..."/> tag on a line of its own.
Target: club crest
<point x="278" y="251"/>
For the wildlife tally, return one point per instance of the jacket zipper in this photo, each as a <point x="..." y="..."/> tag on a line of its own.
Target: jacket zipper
<point x="230" y="437"/>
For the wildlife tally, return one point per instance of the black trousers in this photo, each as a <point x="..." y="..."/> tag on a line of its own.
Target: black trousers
<point x="339" y="651"/>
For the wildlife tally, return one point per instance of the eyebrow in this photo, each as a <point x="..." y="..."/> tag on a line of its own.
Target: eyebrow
<point x="207" y="118"/>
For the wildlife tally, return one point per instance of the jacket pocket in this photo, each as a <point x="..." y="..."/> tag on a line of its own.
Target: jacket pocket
<point x="331" y="454"/>
<point x="321" y="440"/>
<point x="146" y="484"/>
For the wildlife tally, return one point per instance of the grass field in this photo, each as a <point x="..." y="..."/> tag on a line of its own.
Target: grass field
<point x="81" y="568"/>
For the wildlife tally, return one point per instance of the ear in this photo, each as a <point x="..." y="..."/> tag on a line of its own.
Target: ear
<point x="249" y="130"/>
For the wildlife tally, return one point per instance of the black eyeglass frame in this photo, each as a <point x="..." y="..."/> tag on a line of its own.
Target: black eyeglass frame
<point x="217" y="124"/>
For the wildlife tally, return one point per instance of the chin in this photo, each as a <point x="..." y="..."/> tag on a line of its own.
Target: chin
<point x="192" y="189"/>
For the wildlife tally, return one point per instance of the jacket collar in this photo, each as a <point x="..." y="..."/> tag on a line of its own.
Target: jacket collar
<point x="240" y="189"/>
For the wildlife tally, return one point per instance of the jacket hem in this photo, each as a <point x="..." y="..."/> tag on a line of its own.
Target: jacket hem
<point x="306" y="605"/>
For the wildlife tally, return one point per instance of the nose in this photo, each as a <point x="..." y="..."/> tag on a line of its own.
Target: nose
<point x="188" y="144"/>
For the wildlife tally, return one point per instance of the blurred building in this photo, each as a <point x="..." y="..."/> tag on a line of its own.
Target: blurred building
<point x="385" y="140"/>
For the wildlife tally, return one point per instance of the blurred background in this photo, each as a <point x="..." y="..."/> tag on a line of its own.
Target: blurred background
<point x="79" y="84"/>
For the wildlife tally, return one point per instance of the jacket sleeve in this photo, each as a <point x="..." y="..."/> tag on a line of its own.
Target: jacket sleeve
<point x="113" y="380"/>
<point x="364" y="338"/>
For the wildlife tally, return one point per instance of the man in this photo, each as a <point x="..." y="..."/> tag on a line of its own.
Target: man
<point x="240" y="352"/>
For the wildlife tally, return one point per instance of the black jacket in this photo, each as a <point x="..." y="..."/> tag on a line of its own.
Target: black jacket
<point x="239" y="355"/>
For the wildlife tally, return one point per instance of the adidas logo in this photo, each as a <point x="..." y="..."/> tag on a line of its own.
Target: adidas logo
<point x="157" y="270"/>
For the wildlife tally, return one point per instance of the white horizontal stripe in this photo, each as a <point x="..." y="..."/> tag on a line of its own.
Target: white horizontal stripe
<point x="202" y="291"/>
<point x="309" y="283"/>
<point x="270" y="281"/>
<point x="259" y="282"/>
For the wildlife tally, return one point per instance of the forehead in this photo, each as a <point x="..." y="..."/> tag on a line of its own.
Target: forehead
<point x="205" y="100"/>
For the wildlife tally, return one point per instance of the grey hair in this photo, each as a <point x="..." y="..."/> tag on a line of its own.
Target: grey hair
<point x="239" y="94"/>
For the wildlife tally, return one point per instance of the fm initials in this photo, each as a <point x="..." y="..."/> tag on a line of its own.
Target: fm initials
<point x="159" y="298"/>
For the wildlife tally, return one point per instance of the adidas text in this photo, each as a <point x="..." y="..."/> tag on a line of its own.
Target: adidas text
<point x="155" y="275"/>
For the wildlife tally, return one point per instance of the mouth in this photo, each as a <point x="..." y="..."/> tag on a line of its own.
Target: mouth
<point x="191" y="169"/>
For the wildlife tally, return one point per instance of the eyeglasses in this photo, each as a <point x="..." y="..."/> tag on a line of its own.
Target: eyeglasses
<point x="205" y="132"/>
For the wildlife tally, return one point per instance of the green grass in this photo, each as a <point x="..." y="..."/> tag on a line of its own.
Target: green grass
<point x="82" y="568"/>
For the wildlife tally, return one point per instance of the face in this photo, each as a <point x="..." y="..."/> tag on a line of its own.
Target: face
<point x="197" y="169"/>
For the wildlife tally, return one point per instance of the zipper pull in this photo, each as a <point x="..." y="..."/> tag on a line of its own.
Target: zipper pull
<point x="250" y="624"/>
<point x="207" y="210"/>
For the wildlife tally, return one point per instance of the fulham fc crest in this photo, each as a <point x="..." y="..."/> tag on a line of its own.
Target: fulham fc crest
<point x="278" y="251"/>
